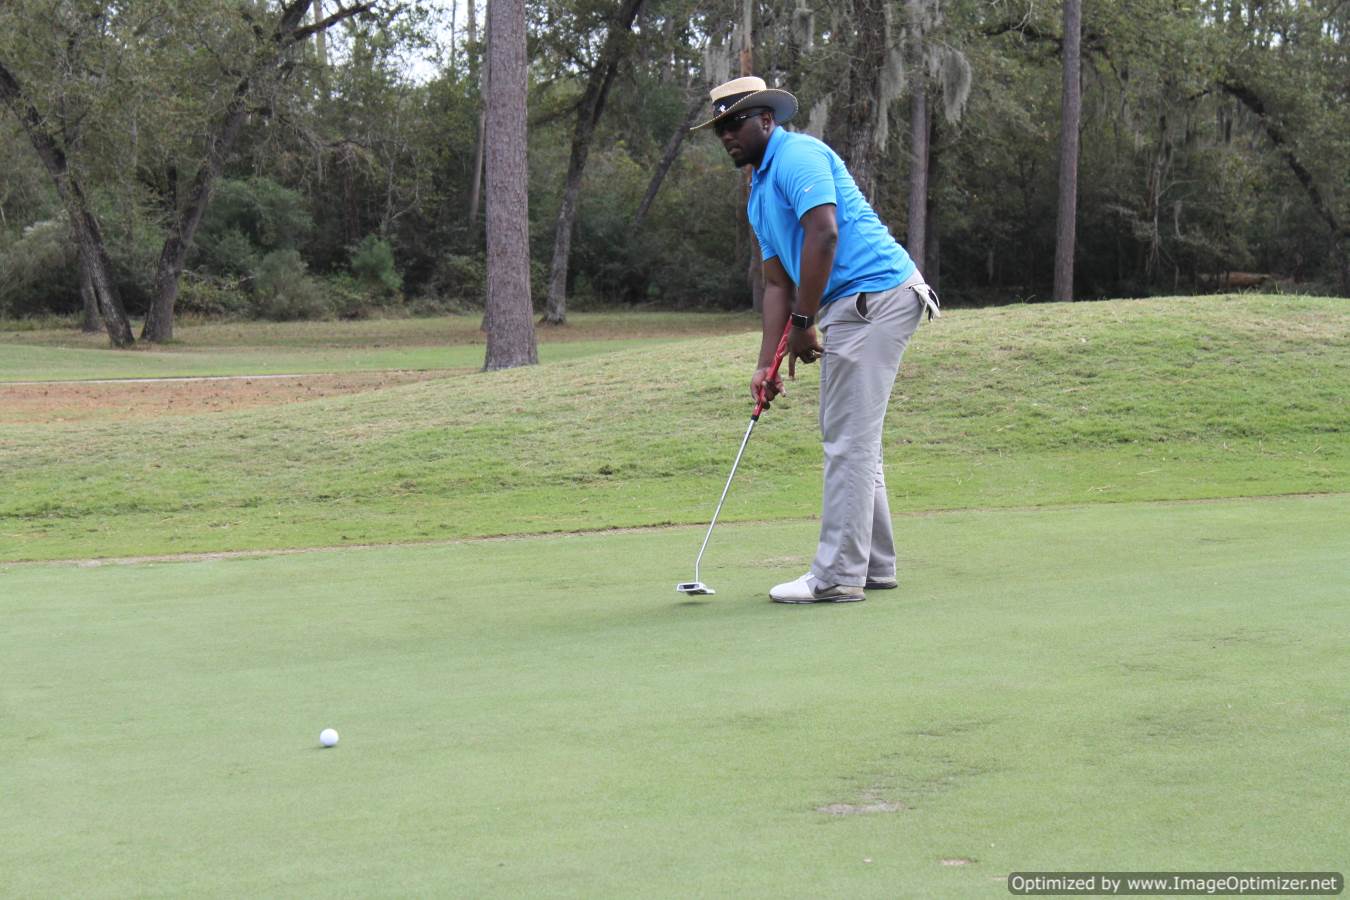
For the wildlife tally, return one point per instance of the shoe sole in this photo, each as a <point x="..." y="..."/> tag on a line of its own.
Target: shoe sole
<point x="882" y="585"/>
<point x="843" y="598"/>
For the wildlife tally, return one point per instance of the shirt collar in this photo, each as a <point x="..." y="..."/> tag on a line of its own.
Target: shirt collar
<point x="774" y="140"/>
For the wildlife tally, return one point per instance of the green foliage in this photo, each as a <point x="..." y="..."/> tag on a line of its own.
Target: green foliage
<point x="1179" y="179"/>
<point x="601" y="248"/>
<point x="372" y="263"/>
<point x="39" y="272"/>
<point x="686" y="251"/>
<point x="459" y="282"/>
<point x="213" y="297"/>
<point x="228" y="253"/>
<point x="26" y="193"/>
<point x="248" y="219"/>
<point x="134" y="244"/>
<point x="350" y="298"/>
<point x="283" y="290"/>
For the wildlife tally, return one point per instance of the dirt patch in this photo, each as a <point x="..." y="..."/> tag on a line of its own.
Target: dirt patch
<point x="85" y="401"/>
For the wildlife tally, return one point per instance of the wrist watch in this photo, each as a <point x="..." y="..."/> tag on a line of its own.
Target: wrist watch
<point x="801" y="321"/>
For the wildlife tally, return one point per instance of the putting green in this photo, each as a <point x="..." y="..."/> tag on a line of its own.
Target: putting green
<point x="1117" y="687"/>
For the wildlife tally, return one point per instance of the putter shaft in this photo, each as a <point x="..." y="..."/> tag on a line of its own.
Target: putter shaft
<point x="739" y="453"/>
<point x="754" y="417"/>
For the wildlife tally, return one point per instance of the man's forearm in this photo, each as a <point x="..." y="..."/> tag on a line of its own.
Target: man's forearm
<point x="777" y="306"/>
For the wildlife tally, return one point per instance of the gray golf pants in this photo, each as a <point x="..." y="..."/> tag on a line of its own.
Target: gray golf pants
<point x="864" y="337"/>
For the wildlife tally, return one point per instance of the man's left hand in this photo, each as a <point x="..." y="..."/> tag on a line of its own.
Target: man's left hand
<point x="803" y="345"/>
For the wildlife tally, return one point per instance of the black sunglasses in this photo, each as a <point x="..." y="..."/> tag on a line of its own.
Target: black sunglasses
<point x="733" y="123"/>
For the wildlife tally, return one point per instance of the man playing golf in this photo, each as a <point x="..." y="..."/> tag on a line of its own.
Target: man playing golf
<point x="829" y="264"/>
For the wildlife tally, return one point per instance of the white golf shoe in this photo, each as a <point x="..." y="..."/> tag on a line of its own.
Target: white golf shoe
<point x="808" y="590"/>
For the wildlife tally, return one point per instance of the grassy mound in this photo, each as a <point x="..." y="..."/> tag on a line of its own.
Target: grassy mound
<point x="1030" y="405"/>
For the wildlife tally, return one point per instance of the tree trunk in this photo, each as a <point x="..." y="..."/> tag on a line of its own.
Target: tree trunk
<point x="290" y="29"/>
<point x="1339" y="234"/>
<point x="471" y="29"/>
<point x="476" y="191"/>
<point x="754" y="271"/>
<point x="90" y="323"/>
<point x="321" y="51"/>
<point x="159" y="317"/>
<point x="855" y="109"/>
<point x="1157" y="177"/>
<point x="932" y="230"/>
<point x="668" y="157"/>
<point x="509" y="312"/>
<point x="932" y="268"/>
<point x="556" y="311"/>
<point x="88" y="236"/>
<point x="590" y="108"/>
<point x="1071" y="112"/>
<point x="94" y="257"/>
<point x="916" y="242"/>
<point x="747" y="49"/>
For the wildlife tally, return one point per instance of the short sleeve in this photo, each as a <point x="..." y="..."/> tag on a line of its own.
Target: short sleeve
<point x="806" y="178"/>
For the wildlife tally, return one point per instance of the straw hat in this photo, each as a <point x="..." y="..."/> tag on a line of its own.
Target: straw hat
<point x="748" y="93"/>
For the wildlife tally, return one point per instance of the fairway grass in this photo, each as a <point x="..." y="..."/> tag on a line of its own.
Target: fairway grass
<point x="26" y="363"/>
<point x="1052" y="404"/>
<point x="1114" y="687"/>
<point x="449" y="343"/>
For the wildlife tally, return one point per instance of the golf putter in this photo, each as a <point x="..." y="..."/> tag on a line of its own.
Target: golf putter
<point x="696" y="586"/>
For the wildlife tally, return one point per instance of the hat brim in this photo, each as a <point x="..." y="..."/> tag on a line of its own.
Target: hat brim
<point x="783" y="104"/>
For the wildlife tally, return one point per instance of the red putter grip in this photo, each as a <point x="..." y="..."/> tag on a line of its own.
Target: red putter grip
<point x="773" y="372"/>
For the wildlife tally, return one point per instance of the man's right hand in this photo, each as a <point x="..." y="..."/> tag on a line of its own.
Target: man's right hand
<point x="770" y="388"/>
<point x="803" y="345"/>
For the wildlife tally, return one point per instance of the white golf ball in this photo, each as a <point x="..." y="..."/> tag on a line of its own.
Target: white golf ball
<point x="328" y="737"/>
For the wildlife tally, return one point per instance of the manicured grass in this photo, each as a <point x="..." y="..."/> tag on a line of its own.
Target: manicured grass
<point x="1020" y="406"/>
<point x="1068" y="679"/>
<point x="1114" y="687"/>
<point x="65" y="364"/>
<point x="251" y="348"/>
<point x="199" y="334"/>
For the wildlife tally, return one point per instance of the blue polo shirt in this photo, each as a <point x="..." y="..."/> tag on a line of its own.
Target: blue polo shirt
<point x="799" y="173"/>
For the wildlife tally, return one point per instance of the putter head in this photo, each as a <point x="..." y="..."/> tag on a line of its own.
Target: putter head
<point x="694" y="587"/>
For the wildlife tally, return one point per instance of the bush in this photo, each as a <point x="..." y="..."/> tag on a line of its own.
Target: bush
<point x="247" y="219"/>
<point x="283" y="290"/>
<point x="373" y="265"/>
<point x="352" y="299"/>
<point x="458" y="282"/>
<point x="40" y="272"/>
<point x="425" y="306"/>
<point x="232" y="253"/>
<point x="216" y="298"/>
<point x="460" y="285"/>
